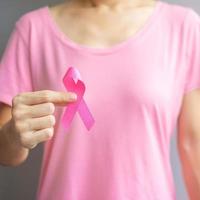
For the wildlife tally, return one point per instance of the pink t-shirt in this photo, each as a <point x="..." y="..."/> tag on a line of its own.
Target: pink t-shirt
<point x="134" y="91"/>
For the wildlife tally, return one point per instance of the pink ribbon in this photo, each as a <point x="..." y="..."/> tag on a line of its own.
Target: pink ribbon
<point x="73" y="83"/>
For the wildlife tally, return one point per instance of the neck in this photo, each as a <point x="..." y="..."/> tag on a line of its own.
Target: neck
<point x="113" y="3"/>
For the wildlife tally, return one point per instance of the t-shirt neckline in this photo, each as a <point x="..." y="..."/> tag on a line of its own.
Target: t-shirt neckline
<point x="98" y="50"/>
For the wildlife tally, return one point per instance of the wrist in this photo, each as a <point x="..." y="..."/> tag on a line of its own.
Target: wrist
<point x="12" y="152"/>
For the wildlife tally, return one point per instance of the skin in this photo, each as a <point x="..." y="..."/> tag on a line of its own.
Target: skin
<point x="188" y="142"/>
<point x="30" y="119"/>
<point x="118" y="20"/>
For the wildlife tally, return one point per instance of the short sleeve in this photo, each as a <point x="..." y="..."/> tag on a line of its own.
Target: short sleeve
<point x="15" y="73"/>
<point x="192" y="80"/>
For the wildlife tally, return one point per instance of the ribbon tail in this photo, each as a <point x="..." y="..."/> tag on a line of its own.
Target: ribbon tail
<point x="85" y="115"/>
<point x="68" y="116"/>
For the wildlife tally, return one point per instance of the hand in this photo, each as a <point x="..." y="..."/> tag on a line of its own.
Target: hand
<point x="32" y="115"/>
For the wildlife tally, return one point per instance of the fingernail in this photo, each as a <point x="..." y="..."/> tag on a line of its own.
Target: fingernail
<point x="73" y="96"/>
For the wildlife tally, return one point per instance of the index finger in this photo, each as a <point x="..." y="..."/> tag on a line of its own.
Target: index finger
<point x="44" y="96"/>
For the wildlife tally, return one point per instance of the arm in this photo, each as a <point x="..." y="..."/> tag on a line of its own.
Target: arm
<point x="188" y="142"/>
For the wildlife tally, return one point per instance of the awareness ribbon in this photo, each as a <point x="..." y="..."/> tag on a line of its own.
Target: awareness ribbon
<point x="73" y="83"/>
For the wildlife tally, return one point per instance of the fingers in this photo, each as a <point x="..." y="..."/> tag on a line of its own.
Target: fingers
<point x="40" y="122"/>
<point x="33" y="115"/>
<point x="32" y="138"/>
<point x="42" y="135"/>
<point x="26" y="129"/>
<point x="39" y="110"/>
<point x="44" y="96"/>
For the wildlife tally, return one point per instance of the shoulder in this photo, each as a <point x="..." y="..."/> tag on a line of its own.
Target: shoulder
<point x="31" y="20"/>
<point x="178" y="15"/>
<point x="192" y="20"/>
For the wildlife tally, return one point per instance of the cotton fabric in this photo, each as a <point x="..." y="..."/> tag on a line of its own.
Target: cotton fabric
<point x="134" y="90"/>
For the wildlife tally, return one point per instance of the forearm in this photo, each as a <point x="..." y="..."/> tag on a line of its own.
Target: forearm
<point x="11" y="152"/>
<point x="190" y="160"/>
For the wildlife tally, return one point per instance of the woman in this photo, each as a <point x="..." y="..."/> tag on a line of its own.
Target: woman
<point x="140" y="63"/>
